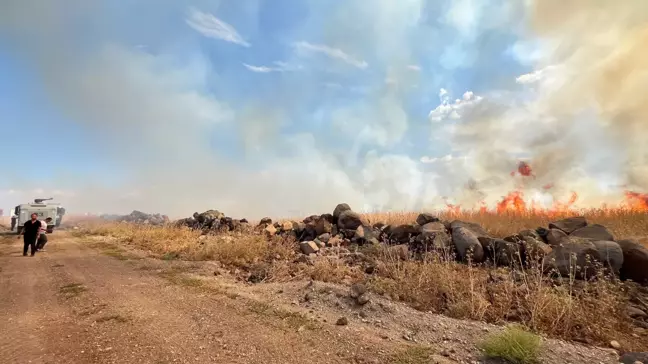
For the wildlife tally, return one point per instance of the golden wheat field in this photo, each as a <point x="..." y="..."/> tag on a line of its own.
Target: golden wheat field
<point x="592" y="311"/>
<point x="623" y="223"/>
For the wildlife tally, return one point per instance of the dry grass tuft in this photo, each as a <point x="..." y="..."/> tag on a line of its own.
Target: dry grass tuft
<point x="561" y="307"/>
<point x="514" y="344"/>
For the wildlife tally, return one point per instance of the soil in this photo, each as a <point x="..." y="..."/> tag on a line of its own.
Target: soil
<point x="87" y="301"/>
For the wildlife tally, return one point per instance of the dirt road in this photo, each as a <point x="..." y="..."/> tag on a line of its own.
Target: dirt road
<point x="85" y="301"/>
<point x="73" y="304"/>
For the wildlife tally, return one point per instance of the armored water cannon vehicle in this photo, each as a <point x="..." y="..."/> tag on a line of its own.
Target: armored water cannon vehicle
<point x="43" y="210"/>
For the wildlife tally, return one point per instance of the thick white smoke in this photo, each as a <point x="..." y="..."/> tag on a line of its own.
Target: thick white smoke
<point x="579" y="118"/>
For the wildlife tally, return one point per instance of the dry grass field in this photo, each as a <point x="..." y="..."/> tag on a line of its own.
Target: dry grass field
<point x="592" y="312"/>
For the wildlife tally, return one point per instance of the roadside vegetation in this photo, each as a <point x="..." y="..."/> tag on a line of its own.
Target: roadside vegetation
<point x="591" y="311"/>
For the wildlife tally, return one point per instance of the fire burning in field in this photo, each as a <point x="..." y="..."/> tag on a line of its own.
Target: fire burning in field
<point x="637" y="201"/>
<point x="515" y="201"/>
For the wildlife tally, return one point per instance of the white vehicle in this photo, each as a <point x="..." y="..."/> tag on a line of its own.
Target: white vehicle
<point x="43" y="210"/>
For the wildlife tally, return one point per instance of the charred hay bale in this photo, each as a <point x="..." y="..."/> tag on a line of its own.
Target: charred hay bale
<point x="208" y="216"/>
<point x="542" y="232"/>
<point x="139" y="217"/>
<point x="432" y="238"/>
<point x="476" y="229"/>
<point x="323" y="225"/>
<point x="635" y="261"/>
<point x="189" y="222"/>
<point x="309" y="231"/>
<point x="527" y="243"/>
<point x="239" y="226"/>
<point x="348" y="234"/>
<point x="555" y="237"/>
<point x="310" y="219"/>
<point x="570" y="224"/>
<point x="573" y="257"/>
<point x="529" y="233"/>
<point x="402" y="234"/>
<point x="298" y="228"/>
<point x="467" y="244"/>
<point x="349" y="220"/>
<point x="339" y="209"/>
<point x="507" y="252"/>
<point x="610" y="254"/>
<point x="328" y="217"/>
<point x="534" y="250"/>
<point x="593" y="232"/>
<point x="365" y="235"/>
<point x="425" y="218"/>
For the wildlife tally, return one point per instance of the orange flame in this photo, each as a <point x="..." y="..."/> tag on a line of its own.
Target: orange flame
<point x="514" y="201"/>
<point x="453" y="209"/>
<point x="637" y="201"/>
<point x="483" y="208"/>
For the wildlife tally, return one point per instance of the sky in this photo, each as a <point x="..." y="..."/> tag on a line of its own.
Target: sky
<point x="287" y="107"/>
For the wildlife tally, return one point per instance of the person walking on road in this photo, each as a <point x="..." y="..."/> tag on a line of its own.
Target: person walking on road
<point x="42" y="239"/>
<point x="30" y="233"/>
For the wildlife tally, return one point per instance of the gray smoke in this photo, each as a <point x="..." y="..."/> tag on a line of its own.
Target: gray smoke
<point x="581" y="126"/>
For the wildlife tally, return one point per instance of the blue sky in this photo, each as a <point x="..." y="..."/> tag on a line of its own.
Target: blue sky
<point x="182" y="105"/>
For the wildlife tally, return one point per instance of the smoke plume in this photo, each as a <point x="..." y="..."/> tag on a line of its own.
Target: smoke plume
<point x="579" y="118"/>
<point x="583" y="124"/>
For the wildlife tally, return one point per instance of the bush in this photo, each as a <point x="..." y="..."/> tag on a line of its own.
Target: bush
<point x="513" y="344"/>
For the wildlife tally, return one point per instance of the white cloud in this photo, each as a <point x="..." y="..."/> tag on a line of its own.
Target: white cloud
<point x="447" y="110"/>
<point x="335" y="53"/>
<point x="543" y="74"/>
<point x="261" y="69"/>
<point x="527" y="78"/>
<point x="446" y="158"/>
<point x="414" y="67"/>
<point x="212" y="27"/>
<point x="278" y="67"/>
<point x="332" y="85"/>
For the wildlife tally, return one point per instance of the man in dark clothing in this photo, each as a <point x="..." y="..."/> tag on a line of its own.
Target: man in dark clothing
<point x="31" y="233"/>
